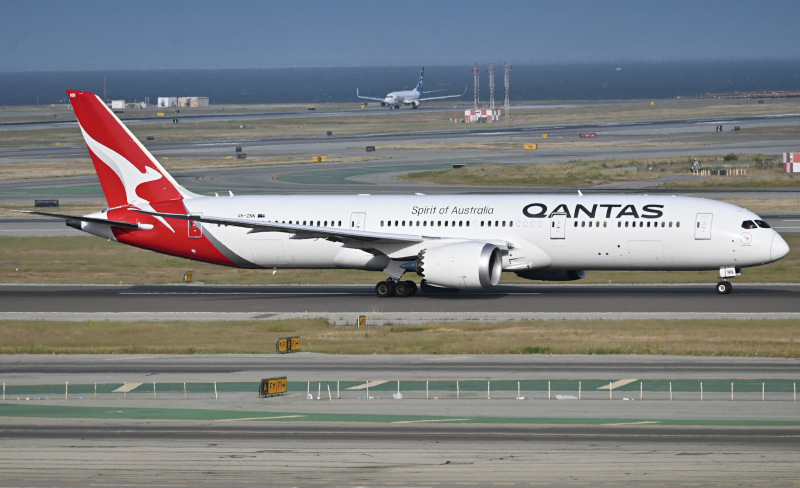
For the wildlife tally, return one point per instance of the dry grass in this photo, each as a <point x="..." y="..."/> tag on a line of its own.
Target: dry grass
<point x="767" y="338"/>
<point x="585" y="174"/>
<point x="56" y="169"/>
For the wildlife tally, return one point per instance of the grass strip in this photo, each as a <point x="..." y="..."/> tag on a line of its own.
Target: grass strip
<point x="763" y="338"/>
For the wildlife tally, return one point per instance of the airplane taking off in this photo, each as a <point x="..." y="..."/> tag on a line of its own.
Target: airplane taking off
<point x="407" y="97"/>
<point x="451" y="241"/>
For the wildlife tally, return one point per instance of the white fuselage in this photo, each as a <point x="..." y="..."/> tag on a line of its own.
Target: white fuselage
<point x="404" y="97"/>
<point x="540" y="231"/>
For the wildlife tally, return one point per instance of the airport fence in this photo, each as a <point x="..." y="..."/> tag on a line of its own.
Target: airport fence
<point x="470" y="389"/>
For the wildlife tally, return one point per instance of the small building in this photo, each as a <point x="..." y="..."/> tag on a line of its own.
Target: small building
<point x="193" y="101"/>
<point x="482" y="115"/>
<point x="791" y="162"/>
<point x="117" y="104"/>
<point x="167" y="101"/>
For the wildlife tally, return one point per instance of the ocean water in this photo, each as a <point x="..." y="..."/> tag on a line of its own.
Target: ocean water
<point x="619" y="81"/>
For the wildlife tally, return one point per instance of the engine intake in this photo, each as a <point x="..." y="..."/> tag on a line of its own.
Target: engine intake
<point x="468" y="264"/>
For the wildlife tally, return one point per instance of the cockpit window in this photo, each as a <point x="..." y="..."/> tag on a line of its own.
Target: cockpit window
<point x="749" y="224"/>
<point x="753" y="224"/>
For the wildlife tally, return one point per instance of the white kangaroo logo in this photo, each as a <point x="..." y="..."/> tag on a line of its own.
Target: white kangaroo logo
<point x="130" y="177"/>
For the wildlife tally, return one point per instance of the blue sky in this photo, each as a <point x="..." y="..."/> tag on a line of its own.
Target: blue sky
<point x="52" y="35"/>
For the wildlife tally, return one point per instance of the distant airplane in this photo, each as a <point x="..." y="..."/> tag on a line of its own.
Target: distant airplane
<point x="452" y="241"/>
<point x="407" y="97"/>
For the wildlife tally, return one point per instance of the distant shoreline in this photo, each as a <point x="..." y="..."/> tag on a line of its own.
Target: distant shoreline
<point x="601" y="81"/>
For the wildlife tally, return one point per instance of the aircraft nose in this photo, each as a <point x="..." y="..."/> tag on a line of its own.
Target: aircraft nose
<point x="779" y="248"/>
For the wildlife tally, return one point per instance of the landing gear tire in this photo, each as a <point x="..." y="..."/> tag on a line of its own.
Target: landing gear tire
<point x="384" y="289"/>
<point x="724" y="287"/>
<point x="401" y="289"/>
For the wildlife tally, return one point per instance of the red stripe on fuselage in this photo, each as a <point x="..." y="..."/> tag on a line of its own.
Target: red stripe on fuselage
<point x="161" y="239"/>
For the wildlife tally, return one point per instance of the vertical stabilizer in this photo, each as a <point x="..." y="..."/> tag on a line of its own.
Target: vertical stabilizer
<point x="419" y="83"/>
<point x="128" y="173"/>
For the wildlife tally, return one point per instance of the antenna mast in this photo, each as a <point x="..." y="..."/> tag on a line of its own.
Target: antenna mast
<point x="507" y="85"/>
<point x="491" y="86"/>
<point x="476" y="71"/>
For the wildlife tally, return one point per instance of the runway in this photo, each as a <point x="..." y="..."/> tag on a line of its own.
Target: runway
<point x="344" y="303"/>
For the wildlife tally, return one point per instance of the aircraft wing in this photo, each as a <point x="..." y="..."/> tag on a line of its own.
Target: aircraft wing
<point x="81" y="218"/>
<point x="300" y="231"/>
<point x="368" y="98"/>
<point x="442" y="97"/>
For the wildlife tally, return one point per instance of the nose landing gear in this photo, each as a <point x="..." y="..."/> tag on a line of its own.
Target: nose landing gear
<point x="724" y="287"/>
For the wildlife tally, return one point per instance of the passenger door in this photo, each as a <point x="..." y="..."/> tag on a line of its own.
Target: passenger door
<point x="558" y="224"/>
<point x="357" y="220"/>
<point x="702" y="226"/>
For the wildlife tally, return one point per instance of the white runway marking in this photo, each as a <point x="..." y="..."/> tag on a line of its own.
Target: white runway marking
<point x="617" y="384"/>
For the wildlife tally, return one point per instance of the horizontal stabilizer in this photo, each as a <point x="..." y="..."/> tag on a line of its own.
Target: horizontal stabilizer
<point x="81" y="218"/>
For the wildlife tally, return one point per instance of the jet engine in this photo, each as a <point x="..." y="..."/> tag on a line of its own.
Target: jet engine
<point x="552" y="274"/>
<point x="414" y="103"/>
<point x="468" y="264"/>
<point x="383" y="104"/>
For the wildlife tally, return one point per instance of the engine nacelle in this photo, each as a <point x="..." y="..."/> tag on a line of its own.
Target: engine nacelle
<point x="414" y="103"/>
<point x="384" y="104"/>
<point x="468" y="264"/>
<point x="552" y="274"/>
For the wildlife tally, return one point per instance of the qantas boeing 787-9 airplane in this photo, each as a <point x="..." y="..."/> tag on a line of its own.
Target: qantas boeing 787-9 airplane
<point x="450" y="241"/>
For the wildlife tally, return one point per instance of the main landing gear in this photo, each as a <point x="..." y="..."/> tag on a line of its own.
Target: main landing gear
<point x="395" y="288"/>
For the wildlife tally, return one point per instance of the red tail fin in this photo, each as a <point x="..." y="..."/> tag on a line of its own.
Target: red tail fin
<point x="129" y="174"/>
